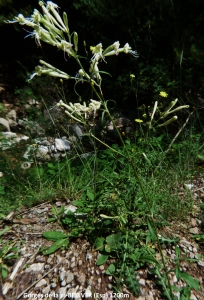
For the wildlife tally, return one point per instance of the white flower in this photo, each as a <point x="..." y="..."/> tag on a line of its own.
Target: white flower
<point x="26" y="165"/>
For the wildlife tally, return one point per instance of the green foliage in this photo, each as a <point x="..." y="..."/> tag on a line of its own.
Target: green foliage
<point x="8" y="253"/>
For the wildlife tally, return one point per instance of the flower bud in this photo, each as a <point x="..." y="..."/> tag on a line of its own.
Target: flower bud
<point x="168" y="122"/>
<point x="75" y="41"/>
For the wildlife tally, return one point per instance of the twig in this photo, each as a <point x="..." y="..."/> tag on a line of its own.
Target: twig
<point x="182" y="127"/>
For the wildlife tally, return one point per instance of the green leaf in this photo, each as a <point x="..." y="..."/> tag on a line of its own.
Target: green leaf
<point x="114" y="240"/>
<point x="52" y="172"/>
<point x="57" y="245"/>
<point x="147" y="258"/>
<point x="54" y="235"/>
<point x="50" y="165"/>
<point x="102" y="259"/>
<point x="51" y="219"/>
<point x="192" y="282"/>
<point x="78" y="203"/>
<point x="4" y="230"/>
<point x="108" y="248"/>
<point x="178" y="273"/>
<point x="54" y="211"/>
<point x="201" y="157"/>
<point x="111" y="269"/>
<point x="90" y="195"/>
<point x="178" y="251"/>
<point x="185" y="293"/>
<point x="152" y="231"/>
<point x="99" y="243"/>
<point x="4" y="271"/>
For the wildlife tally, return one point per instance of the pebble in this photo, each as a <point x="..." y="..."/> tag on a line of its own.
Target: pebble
<point x="61" y="292"/>
<point x="194" y="230"/>
<point x="63" y="283"/>
<point x="73" y="265"/>
<point x="81" y="279"/>
<point x="142" y="282"/>
<point x="80" y="262"/>
<point x="35" y="267"/>
<point x="41" y="283"/>
<point x="46" y="290"/>
<point x="70" y="277"/>
<point x="200" y="263"/>
<point x="193" y="222"/>
<point x="62" y="276"/>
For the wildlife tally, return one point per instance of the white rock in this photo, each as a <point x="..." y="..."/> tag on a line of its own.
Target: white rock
<point x="77" y="130"/>
<point x="42" y="153"/>
<point x="41" y="283"/>
<point x="8" y="134"/>
<point x="62" y="275"/>
<point x="189" y="186"/>
<point x="142" y="282"/>
<point x="35" y="267"/>
<point x="70" y="277"/>
<point x="62" y="145"/>
<point x="71" y="208"/>
<point x="11" y="115"/>
<point x="46" y="290"/>
<point x="201" y="263"/>
<point x="5" y="124"/>
<point x="194" y="230"/>
<point x="62" y="293"/>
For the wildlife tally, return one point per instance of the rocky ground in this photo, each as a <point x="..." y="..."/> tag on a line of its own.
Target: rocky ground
<point x="74" y="272"/>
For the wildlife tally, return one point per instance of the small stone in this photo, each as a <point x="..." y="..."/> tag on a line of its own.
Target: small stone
<point x="63" y="283"/>
<point x="101" y="267"/>
<point x="40" y="258"/>
<point x="47" y="267"/>
<point x="142" y="282"/>
<point x="88" y="256"/>
<point x="81" y="279"/>
<point x="41" y="283"/>
<point x="70" y="277"/>
<point x="195" y="250"/>
<point x="109" y="286"/>
<point x="73" y="259"/>
<point x="73" y="265"/>
<point x="80" y="262"/>
<point x="59" y="258"/>
<point x="149" y="297"/>
<point x="35" y="267"/>
<point x="62" y="145"/>
<point x="62" y="292"/>
<point x="200" y="263"/>
<point x="49" y="260"/>
<point x="193" y="222"/>
<point x="53" y="285"/>
<point x="62" y="276"/>
<point x="193" y="297"/>
<point x="99" y="280"/>
<point x="46" y="290"/>
<point x="194" y="230"/>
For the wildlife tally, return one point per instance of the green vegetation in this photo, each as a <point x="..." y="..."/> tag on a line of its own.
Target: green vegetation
<point x="126" y="191"/>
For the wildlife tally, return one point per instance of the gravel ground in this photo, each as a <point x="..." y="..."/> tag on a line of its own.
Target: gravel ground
<point x="74" y="272"/>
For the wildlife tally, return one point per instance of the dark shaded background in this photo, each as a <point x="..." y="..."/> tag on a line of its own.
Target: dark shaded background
<point x="167" y="34"/>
